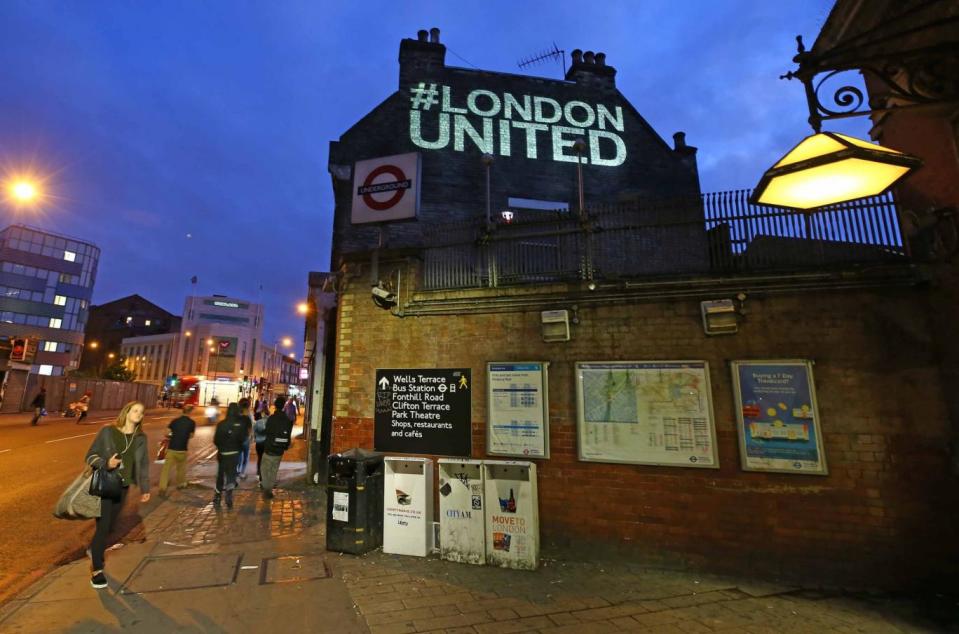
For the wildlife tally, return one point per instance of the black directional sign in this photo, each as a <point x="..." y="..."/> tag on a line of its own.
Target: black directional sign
<point x="423" y="411"/>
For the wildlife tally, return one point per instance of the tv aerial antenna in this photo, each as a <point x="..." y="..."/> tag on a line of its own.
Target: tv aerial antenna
<point x="554" y="54"/>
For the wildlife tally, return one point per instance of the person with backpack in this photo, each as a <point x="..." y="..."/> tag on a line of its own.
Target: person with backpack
<point x="39" y="404"/>
<point x="279" y="429"/>
<point x="228" y="438"/>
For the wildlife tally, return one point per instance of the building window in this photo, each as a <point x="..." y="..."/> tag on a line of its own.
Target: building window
<point x="49" y="346"/>
<point x="55" y="323"/>
<point x="69" y="256"/>
<point x="59" y="300"/>
<point x="147" y="322"/>
<point x="46" y="370"/>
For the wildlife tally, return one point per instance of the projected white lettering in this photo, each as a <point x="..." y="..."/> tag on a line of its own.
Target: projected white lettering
<point x="486" y="120"/>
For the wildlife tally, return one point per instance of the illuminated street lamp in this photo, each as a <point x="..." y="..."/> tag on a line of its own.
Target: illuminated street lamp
<point x="829" y="168"/>
<point x="93" y="345"/>
<point x="22" y="191"/>
<point x="302" y="308"/>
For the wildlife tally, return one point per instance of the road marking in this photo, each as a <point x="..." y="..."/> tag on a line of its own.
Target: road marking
<point x="71" y="437"/>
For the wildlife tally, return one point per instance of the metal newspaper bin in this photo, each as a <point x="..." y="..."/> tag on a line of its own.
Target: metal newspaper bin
<point x="354" y="501"/>
<point x="462" y="523"/>
<point x="512" y="514"/>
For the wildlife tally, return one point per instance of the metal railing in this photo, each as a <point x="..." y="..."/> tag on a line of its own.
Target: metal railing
<point x="715" y="233"/>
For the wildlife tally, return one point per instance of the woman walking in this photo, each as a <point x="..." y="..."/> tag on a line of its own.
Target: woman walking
<point x="121" y="445"/>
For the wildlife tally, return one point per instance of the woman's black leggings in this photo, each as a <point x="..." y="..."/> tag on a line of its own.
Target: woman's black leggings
<point x="109" y="512"/>
<point x="259" y="456"/>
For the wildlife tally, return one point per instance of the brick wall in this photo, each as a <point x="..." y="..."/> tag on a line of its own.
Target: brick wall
<point x="883" y="513"/>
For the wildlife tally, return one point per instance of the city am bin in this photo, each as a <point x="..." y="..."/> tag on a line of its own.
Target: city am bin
<point x="462" y="524"/>
<point x="512" y="514"/>
<point x="354" y="501"/>
<point x="407" y="506"/>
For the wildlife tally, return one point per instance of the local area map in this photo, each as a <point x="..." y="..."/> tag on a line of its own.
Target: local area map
<point x="656" y="412"/>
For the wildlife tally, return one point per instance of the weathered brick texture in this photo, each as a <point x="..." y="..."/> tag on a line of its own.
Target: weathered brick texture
<point x="882" y="513"/>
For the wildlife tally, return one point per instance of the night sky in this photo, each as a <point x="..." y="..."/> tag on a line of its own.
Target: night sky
<point x="159" y="120"/>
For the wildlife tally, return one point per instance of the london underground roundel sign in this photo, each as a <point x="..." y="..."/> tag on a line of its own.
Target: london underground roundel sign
<point x="386" y="189"/>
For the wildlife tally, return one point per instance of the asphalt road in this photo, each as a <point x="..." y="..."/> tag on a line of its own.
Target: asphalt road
<point x="36" y="465"/>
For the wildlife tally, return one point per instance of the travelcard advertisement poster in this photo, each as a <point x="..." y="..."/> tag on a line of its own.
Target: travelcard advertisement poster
<point x="778" y="418"/>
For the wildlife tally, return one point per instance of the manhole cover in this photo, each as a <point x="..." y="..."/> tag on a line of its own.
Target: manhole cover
<point x="162" y="574"/>
<point x="294" y="568"/>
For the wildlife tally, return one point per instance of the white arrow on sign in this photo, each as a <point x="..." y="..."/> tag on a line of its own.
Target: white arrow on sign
<point x="384" y="384"/>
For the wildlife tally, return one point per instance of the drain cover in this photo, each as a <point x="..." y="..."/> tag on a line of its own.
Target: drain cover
<point x="294" y="568"/>
<point x="163" y="574"/>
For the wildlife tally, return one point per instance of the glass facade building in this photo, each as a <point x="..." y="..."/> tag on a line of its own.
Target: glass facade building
<point x="46" y="282"/>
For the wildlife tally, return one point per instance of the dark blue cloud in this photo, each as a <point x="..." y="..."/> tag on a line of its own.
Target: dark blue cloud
<point x="212" y="119"/>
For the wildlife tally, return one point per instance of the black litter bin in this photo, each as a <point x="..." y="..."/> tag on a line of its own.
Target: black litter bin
<point x="354" y="501"/>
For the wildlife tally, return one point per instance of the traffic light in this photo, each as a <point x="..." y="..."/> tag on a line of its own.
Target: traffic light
<point x="18" y="351"/>
<point x="173" y="380"/>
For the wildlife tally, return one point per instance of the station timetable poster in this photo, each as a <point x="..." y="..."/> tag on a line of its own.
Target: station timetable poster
<point x="778" y="417"/>
<point x="423" y="411"/>
<point x="518" y="408"/>
<point x="646" y="412"/>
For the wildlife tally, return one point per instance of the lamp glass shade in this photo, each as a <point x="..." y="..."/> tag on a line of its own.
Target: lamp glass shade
<point x="829" y="168"/>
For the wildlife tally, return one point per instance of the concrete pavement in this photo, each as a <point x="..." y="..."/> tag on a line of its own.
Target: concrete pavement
<point x="263" y="567"/>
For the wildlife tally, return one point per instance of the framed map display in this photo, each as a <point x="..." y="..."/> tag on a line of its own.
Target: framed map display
<point x="778" y="418"/>
<point x="646" y="412"/>
<point x="518" y="407"/>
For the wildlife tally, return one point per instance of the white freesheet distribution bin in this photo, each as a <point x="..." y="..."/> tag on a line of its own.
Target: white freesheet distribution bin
<point x="462" y="521"/>
<point x="407" y="505"/>
<point x="512" y="514"/>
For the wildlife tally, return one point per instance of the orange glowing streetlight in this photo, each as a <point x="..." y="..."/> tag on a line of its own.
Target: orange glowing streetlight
<point x="93" y="345"/>
<point x="302" y="308"/>
<point x="287" y="342"/>
<point x="23" y="189"/>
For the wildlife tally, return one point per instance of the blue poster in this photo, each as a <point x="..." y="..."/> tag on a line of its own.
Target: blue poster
<point x="779" y="426"/>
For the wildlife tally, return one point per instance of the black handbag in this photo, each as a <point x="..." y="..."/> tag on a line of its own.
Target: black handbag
<point x="106" y="483"/>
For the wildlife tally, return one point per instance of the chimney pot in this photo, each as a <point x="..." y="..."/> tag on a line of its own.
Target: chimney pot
<point x="577" y="56"/>
<point x="679" y="140"/>
<point x="600" y="59"/>
<point x="435" y="35"/>
<point x="422" y="35"/>
<point x="589" y="58"/>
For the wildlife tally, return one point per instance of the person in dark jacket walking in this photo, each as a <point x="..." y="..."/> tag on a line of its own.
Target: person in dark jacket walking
<point x="228" y="438"/>
<point x="38" y="403"/>
<point x="181" y="431"/>
<point x="279" y="428"/>
<point x="123" y="446"/>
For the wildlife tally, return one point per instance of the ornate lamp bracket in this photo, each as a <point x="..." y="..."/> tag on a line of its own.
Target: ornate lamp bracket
<point x="915" y="78"/>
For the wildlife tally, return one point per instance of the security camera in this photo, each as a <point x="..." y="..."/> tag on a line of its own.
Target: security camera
<point x="382" y="297"/>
